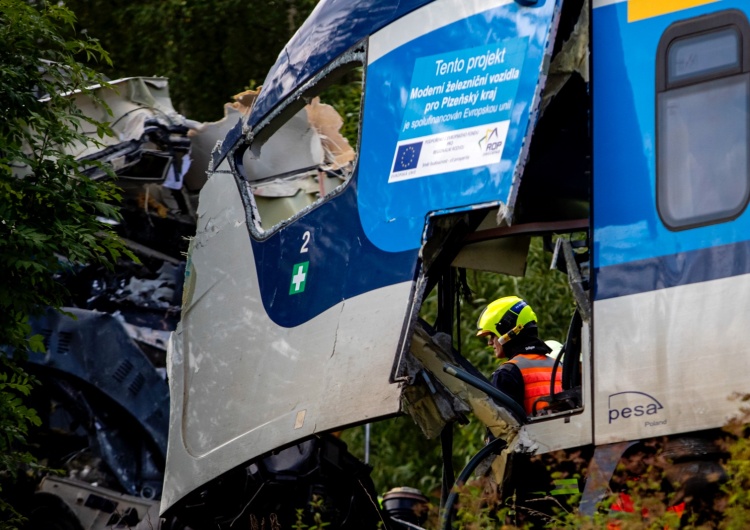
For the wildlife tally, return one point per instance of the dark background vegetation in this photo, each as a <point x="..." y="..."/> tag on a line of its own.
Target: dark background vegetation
<point x="209" y="49"/>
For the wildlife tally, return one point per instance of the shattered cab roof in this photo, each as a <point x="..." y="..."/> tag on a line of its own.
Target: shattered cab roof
<point x="332" y="28"/>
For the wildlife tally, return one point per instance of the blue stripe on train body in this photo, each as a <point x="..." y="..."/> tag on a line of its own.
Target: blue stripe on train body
<point x="633" y="250"/>
<point x="369" y="236"/>
<point x="343" y="263"/>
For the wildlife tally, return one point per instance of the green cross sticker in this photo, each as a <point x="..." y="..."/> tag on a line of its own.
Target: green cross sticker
<point x="299" y="277"/>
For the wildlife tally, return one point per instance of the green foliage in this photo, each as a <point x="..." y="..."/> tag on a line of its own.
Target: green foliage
<point x="400" y="455"/>
<point x="210" y="49"/>
<point x="737" y="489"/>
<point x="479" y="507"/>
<point x="315" y="512"/>
<point x="15" y="421"/>
<point x="50" y="216"/>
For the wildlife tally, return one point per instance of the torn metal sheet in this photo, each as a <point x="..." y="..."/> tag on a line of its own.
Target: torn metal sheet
<point x="95" y="507"/>
<point x="204" y="138"/>
<point x="327" y="123"/>
<point x="314" y="133"/>
<point x="153" y="337"/>
<point x="277" y="157"/>
<point x="432" y="355"/>
<point x="159" y="292"/>
<point x="573" y="57"/>
<point x="150" y="137"/>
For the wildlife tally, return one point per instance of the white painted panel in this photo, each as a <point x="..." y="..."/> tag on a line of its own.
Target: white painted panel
<point x="424" y="20"/>
<point x="241" y="385"/>
<point x="679" y="354"/>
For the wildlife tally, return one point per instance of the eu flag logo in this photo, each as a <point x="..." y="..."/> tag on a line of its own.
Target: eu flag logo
<point x="407" y="156"/>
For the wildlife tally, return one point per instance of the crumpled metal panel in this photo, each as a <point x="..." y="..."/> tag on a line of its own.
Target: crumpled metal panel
<point x="96" y="348"/>
<point x="95" y="363"/>
<point x="431" y="354"/>
<point x="150" y="136"/>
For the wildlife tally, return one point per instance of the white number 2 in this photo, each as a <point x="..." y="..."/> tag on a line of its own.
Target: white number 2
<point x="305" y="241"/>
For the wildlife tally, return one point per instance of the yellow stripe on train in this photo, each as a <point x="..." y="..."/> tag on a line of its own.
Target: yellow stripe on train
<point x="641" y="9"/>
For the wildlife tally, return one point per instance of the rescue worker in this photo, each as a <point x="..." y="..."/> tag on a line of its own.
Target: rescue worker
<point x="510" y="326"/>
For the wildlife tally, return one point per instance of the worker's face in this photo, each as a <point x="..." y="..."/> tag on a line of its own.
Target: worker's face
<point x="496" y="346"/>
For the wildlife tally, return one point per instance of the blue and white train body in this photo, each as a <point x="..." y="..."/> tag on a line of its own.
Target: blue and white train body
<point x="670" y="226"/>
<point x="482" y="122"/>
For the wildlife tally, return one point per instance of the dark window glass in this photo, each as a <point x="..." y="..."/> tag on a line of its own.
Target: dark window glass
<point x="703" y="162"/>
<point x="702" y="122"/>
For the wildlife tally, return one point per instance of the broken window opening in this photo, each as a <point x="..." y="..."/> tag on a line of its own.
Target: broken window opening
<point x="518" y="264"/>
<point x="310" y="155"/>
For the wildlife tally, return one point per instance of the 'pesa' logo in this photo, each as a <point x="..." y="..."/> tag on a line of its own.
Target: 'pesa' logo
<point x="631" y="404"/>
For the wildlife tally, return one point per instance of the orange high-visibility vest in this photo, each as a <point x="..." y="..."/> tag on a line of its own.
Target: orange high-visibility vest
<point x="536" y="370"/>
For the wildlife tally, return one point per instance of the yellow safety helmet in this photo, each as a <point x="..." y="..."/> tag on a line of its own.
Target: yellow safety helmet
<point x="505" y="318"/>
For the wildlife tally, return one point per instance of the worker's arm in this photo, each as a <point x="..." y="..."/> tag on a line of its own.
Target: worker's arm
<point x="508" y="379"/>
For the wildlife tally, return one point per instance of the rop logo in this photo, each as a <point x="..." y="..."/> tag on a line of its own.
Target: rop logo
<point x="490" y="146"/>
<point x="639" y="405"/>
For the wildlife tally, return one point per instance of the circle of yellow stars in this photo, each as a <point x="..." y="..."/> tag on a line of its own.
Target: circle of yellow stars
<point x="411" y="153"/>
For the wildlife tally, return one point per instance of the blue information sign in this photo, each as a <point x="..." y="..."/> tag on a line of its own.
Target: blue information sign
<point x="458" y="109"/>
<point x="447" y="114"/>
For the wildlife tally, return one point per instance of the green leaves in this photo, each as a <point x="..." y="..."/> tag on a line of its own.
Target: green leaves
<point x="15" y="417"/>
<point x="50" y="211"/>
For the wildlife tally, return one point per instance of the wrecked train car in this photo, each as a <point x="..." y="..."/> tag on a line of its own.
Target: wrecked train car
<point x="479" y="127"/>
<point x="103" y="398"/>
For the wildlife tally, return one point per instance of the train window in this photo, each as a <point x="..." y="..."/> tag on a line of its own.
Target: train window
<point x="311" y="152"/>
<point x="702" y="122"/>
